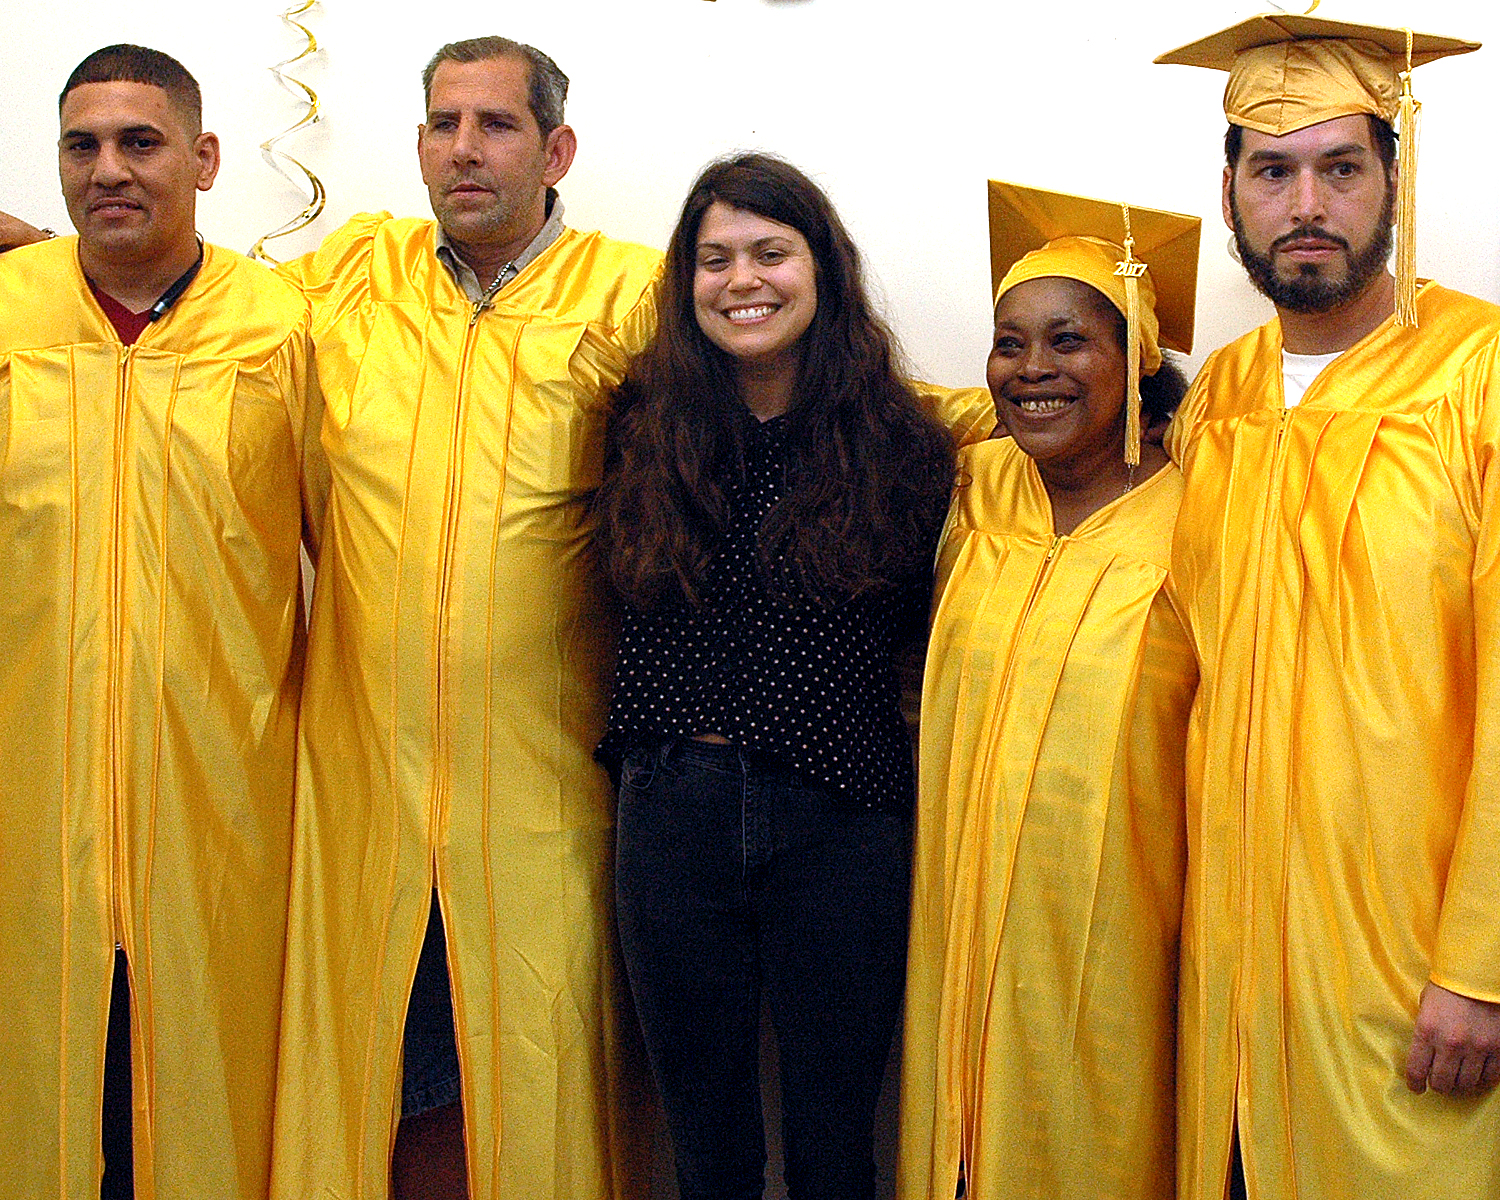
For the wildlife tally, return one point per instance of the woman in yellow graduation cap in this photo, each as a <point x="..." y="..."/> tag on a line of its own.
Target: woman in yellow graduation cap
<point x="1047" y="887"/>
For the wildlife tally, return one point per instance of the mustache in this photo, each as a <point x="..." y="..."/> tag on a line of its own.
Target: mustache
<point x="1315" y="236"/>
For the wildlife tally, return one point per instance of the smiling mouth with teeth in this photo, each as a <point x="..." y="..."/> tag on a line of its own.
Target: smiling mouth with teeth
<point x="750" y="314"/>
<point x="1042" y="406"/>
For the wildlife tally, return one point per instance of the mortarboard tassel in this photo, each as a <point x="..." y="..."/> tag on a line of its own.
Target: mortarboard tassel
<point x="1131" y="271"/>
<point x="1408" y="111"/>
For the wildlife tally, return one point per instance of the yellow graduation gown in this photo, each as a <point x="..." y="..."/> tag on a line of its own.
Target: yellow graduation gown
<point x="460" y="647"/>
<point x="150" y="661"/>
<point x="1047" y="883"/>
<point x="1338" y="565"/>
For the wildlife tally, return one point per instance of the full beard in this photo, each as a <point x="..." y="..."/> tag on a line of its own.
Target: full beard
<point x="1309" y="291"/>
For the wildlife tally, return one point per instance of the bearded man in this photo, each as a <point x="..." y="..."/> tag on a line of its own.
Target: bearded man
<point x="1337" y="560"/>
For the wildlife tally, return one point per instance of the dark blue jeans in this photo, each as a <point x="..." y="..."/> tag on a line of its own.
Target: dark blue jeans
<point x="732" y="876"/>
<point x="430" y="1077"/>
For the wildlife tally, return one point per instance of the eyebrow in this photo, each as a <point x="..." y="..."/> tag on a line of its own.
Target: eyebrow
<point x="1054" y="324"/>
<point x="755" y="245"/>
<point x="1347" y="150"/>
<point x="128" y="130"/>
<point x="482" y="113"/>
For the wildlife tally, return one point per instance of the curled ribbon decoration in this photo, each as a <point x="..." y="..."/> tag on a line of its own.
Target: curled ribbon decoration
<point x="274" y="158"/>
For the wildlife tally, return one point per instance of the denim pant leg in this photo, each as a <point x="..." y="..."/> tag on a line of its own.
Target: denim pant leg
<point x="834" y="921"/>
<point x="689" y="946"/>
<point x="430" y="1077"/>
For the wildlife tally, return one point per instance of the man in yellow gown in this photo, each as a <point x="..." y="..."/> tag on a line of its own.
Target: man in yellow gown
<point x="458" y="665"/>
<point x="1337" y="561"/>
<point x="152" y="397"/>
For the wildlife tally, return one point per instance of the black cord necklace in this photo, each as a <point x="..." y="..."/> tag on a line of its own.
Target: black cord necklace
<point x="174" y="292"/>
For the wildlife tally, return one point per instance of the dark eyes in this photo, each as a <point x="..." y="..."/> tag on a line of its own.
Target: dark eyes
<point x="1064" y="341"/>
<point x="1339" y="170"/>
<point x="769" y="256"/>
<point x="136" y="145"/>
<point x="448" y="125"/>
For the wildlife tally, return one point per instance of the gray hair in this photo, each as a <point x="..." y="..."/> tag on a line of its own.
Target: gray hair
<point x="549" y="86"/>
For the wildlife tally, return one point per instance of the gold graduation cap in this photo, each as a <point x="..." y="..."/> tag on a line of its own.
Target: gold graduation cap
<point x="1287" y="72"/>
<point x="1143" y="260"/>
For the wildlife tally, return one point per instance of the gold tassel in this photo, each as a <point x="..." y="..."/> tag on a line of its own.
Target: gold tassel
<point x="1406" y="200"/>
<point x="1131" y="271"/>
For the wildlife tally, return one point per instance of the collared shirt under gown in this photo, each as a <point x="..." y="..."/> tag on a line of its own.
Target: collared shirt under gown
<point x="1040" y="1026"/>
<point x="457" y="667"/>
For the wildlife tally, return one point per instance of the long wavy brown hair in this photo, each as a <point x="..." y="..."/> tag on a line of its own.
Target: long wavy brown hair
<point x="869" y="470"/>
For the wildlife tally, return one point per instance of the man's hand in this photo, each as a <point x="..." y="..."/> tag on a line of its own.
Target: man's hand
<point x="15" y="232"/>
<point x="1456" y="1047"/>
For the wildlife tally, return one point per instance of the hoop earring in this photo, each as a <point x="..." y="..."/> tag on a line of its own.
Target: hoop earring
<point x="1234" y="250"/>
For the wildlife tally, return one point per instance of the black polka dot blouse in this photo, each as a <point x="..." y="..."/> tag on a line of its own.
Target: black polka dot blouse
<point x="814" y="688"/>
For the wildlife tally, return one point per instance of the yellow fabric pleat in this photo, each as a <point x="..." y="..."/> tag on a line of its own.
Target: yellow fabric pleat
<point x="150" y="665"/>
<point x="1039" y="1034"/>
<point x="1338" y="566"/>
<point x="457" y="674"/>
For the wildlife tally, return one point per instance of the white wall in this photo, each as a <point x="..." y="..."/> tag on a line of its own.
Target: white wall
<point x="901" y="109"/>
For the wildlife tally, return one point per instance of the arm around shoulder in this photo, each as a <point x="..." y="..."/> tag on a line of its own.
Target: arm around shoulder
<point x="326" y="272"/>
<point x="15" y="232"/>
<point x="967" y="413"/>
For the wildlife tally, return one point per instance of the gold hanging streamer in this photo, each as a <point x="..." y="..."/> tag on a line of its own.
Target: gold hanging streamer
<point x="274" y="157"/>
<point x="1409" y="116"/>
<point x="1131" y="270"/>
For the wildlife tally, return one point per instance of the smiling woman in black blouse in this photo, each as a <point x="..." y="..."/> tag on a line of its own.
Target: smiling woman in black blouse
<point x="771" y="503"/>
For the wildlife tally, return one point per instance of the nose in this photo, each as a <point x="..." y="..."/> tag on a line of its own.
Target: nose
<point x="744" y="274"/>
<point x="1036" y="363"/>
<point x="466" y="147"/>
<point x="1308" y="199"/>
<point x="110" y="167"/>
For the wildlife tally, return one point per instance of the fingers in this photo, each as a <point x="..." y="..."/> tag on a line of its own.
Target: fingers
<point x="1451" y="1071"/>
<point x="1469" y="1072"/>
<point x="1418" y="1063"/>
<point x="1447" y="1063"/>
<point x="1455" y="1046"/>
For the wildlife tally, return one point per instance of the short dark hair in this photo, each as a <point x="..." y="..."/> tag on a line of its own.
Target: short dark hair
<point x="548" y="85"/>
<point x="1382" y="136"/>
<point x="124" y="63"/>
